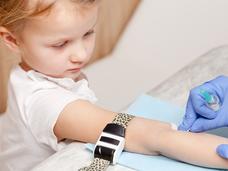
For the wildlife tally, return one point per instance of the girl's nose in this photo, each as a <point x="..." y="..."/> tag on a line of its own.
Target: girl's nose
<point x="79" y="53"/>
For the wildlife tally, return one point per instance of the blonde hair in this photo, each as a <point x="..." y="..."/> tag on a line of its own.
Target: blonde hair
<point x="13" y="13"/>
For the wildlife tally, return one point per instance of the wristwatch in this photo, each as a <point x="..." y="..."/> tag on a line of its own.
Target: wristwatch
<point x="110" y="144"/>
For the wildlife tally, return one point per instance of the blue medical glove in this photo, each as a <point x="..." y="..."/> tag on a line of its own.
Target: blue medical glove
<point x="222" y="150"/>
<point x="198" y="116"/>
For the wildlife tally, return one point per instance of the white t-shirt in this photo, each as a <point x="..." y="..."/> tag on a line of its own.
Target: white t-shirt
<point x="34" y="104"/>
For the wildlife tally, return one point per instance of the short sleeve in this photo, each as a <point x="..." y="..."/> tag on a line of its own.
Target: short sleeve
<point x="42" y="110"/>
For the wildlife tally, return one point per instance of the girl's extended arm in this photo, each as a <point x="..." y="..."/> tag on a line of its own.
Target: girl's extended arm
<point x="194" y="148"/>
<point x="83" y="121"/>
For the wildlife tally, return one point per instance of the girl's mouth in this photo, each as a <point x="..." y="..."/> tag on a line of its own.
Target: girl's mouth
<point x="74" y="69"/>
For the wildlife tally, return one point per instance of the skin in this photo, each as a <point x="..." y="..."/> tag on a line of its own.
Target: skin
<point x="57" y="51"/>
<point x="54" y="51"/>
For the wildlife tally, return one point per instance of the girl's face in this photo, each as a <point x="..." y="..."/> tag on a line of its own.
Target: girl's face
<point x="61" y="43"/>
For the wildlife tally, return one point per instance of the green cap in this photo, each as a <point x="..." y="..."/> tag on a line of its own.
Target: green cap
<point x="208" y="98"/>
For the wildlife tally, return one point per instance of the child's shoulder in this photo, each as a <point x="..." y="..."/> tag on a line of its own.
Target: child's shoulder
<point x="26" y="80"/>
<point x="24" y="85"/>
<point x="27" y="83"/>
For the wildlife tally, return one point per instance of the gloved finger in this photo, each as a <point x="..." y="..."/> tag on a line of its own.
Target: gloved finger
<point x="205" y="111"/>
<point x="189" y="117"/>
<point x="222" y="150"/>
<point x="203" y="124"/>
<point x="200" y="106"/>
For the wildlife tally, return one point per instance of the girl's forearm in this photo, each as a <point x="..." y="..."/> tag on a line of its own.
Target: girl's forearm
<point x="154" y="137"/>
<point x="194" y="148"/>
<point x="142" y="135"/>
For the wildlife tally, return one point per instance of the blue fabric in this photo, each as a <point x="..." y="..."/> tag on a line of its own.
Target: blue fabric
<point x="156" y="109"/>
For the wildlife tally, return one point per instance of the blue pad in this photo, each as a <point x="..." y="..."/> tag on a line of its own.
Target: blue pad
<point x="152" y="108"/>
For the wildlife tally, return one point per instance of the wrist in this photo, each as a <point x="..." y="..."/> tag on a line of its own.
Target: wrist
<point x="144" y="135"/>
<point x="164" y="137"/>
<point x="137" y="136"/>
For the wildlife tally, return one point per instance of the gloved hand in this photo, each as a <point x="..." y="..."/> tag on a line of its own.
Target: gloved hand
<point x="222" y="150"/>
<point x="198" y="116"/>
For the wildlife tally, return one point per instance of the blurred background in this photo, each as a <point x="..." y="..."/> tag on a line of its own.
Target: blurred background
<point x="141" y="43"/>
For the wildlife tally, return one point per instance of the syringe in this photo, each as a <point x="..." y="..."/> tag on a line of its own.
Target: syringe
<point x="212" y="100"/>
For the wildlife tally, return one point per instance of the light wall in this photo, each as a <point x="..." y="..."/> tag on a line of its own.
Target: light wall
<point x="113" y="18"/>
<point x="162" y="37"/>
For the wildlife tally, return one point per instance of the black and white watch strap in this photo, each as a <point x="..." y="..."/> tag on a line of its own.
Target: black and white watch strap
<point x="110" y="143"/>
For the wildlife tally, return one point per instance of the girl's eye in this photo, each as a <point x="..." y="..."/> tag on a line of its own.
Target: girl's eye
<point x="60" y="45"/>
<point x="89" y="33"/>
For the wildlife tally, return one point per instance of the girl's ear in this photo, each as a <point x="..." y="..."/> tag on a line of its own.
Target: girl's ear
<point x="9" y="39"/>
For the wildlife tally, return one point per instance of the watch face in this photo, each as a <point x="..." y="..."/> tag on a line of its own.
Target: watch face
<point x="112" y="140"/>
<point x="104" y="153"/>
<point x="110" y="143"/>
<point x="109" y="140"/>
<point x="115" y="129"/>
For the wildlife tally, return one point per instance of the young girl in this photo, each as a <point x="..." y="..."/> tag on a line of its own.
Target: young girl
<point x="49" y="100"/>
